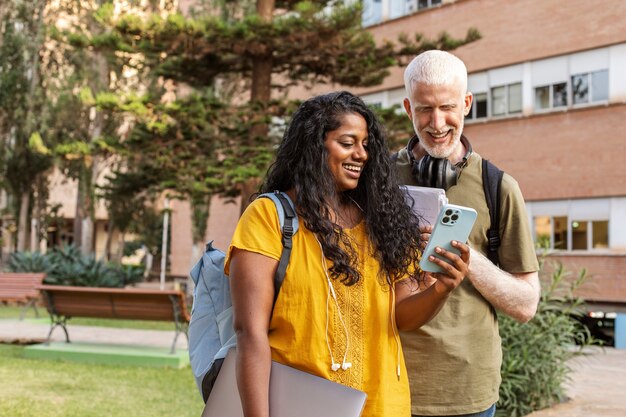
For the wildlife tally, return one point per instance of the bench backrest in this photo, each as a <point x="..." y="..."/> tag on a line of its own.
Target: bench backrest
<point x="118" y="303"/>
<point x="20" y="286"/>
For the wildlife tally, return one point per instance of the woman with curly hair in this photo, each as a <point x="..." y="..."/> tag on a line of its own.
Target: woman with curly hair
<point x="353" y="276"/>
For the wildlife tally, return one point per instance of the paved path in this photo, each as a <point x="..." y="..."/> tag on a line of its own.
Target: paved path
<point x="597" y="387"/>
<point x="15" y="331"/>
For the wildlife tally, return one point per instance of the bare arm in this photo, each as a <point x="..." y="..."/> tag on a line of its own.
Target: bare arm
<point x="414" y="307"/>
<point x="516" y="295"/>
<point x="252" y="291"/>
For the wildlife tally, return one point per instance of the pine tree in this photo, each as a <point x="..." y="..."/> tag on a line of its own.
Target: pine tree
<point x="260" y="49"/>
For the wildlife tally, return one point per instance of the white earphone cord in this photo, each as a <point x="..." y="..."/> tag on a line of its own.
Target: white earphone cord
<point x="331" y="290"/>
<point x="394" y="327"/>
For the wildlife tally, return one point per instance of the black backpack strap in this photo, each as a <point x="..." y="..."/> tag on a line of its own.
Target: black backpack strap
<point x="492" y="180"/>
<point x="287" y="234"/>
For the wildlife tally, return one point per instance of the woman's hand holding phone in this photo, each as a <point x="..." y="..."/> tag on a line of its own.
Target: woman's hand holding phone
<point x="454" y="271"/>
<point x="445" y="256"/>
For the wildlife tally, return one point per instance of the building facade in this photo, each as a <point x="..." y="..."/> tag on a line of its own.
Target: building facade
<point x="549" y="85"/>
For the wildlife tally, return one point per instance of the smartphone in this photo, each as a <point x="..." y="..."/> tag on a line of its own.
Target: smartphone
<point x="453" y="223"/>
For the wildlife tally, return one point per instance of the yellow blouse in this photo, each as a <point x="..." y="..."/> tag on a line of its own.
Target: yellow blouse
<point x="298" y="335"/>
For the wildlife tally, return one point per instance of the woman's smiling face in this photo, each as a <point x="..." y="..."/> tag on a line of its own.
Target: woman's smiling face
<point x="347" y="150"/>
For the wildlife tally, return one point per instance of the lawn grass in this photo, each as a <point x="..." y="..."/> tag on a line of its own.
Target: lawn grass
<point x="34" y="388"/>
<point x="13" y="312"/>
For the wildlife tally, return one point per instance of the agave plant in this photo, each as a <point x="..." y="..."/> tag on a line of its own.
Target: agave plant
<point x="129" y="274"/>
<point x="67" y="266"/>
<point x="28" y="262"/>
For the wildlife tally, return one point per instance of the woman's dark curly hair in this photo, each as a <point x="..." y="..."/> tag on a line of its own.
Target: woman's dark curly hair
<point x="301" y="164"/>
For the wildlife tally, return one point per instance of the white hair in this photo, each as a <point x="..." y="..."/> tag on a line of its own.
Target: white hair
<point x="435" y="68"/>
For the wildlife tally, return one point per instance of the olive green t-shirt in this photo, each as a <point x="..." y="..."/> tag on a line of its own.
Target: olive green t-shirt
<point x="454" y="361"/>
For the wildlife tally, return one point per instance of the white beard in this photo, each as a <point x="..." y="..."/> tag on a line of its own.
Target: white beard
<point x="441" y="151"/>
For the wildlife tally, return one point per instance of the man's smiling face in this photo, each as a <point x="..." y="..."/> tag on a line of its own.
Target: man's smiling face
<point x="437" y="113"/>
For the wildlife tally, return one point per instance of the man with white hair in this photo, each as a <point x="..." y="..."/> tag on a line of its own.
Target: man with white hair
<point x="454" y="361"/>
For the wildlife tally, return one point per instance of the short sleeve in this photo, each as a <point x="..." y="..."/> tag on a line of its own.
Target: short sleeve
<point x="517" y="250"/>
<point x="258" y="230"/>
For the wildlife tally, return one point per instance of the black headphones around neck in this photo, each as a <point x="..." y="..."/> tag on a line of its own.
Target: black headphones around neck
<point x="437" y="172"/>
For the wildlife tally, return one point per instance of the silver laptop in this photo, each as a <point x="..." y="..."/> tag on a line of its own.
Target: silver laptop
<point x="293" y="393"/>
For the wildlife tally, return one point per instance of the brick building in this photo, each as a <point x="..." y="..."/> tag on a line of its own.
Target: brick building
<point x="549" y="85"/>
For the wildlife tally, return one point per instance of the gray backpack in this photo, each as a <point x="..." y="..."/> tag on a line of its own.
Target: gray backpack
<point x="211" y="332"/>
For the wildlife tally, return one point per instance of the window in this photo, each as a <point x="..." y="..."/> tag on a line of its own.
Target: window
<point x="376" y="11"/>
<point x="515" y="98"/>
<point x="560" y="233"/>
<point x="590" y="235"/>
<point x="580" y="88"/>
<point x="543" y="232"/>
<point x="553" y="232"/>
<point x="398" y="8"/>
<point x="372" y="12"/>
<point x="551" y="96"/>
<point x="506" y="99"/>
<point x="479" y="107"/>
<point x="425" y="4"/>
<point x="590" y="87"/>
<point x="600" y="234"/>
<point x="542" y="98"/>
<point x="600" y="85"/>
<point x="498" y="103"/>
<point x="579" y="235"/>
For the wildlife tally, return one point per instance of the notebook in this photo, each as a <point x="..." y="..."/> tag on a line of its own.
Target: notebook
<point x="292" y="393"/>
<point x="427" y="201"/>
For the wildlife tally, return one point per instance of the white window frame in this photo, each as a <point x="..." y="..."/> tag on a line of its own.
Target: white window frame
<point x="472" y="114"/>
<point x="590" y="101"/>
<point x="551" y="97"/>
<point x="507" y="95"/>
<point x="390" y="11"/>
<point x="583" y="210"/>
<point x="429" y="4"/>
<point x="570" y="233"/>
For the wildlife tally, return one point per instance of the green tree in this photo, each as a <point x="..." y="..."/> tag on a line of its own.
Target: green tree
<point x="22" y="112"/>
<point x="88" y="125"/>
<point x="265" y="47"/>
<point x="240" y="58"/>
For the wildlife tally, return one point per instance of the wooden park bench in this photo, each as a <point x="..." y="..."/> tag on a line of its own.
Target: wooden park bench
<point x="21" y="288"/>
<point x="65" y="302"/>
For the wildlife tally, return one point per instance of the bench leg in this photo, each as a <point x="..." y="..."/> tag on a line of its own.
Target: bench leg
<point x="173" y="349"/>
<point x="180" y="328"/>
<point x="60" y="323"/>
<point x="26" y="306"/>
<point x="31" y="303"/>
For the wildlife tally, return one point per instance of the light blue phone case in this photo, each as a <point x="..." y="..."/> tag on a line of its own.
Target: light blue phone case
<point x="453" y="223"/>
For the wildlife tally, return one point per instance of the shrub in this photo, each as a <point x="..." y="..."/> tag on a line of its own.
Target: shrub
<point x="536" y="354"/>
<point x="129" y="274"/>
<point x="28" y="262"/>
<point x="67" y="266"/>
